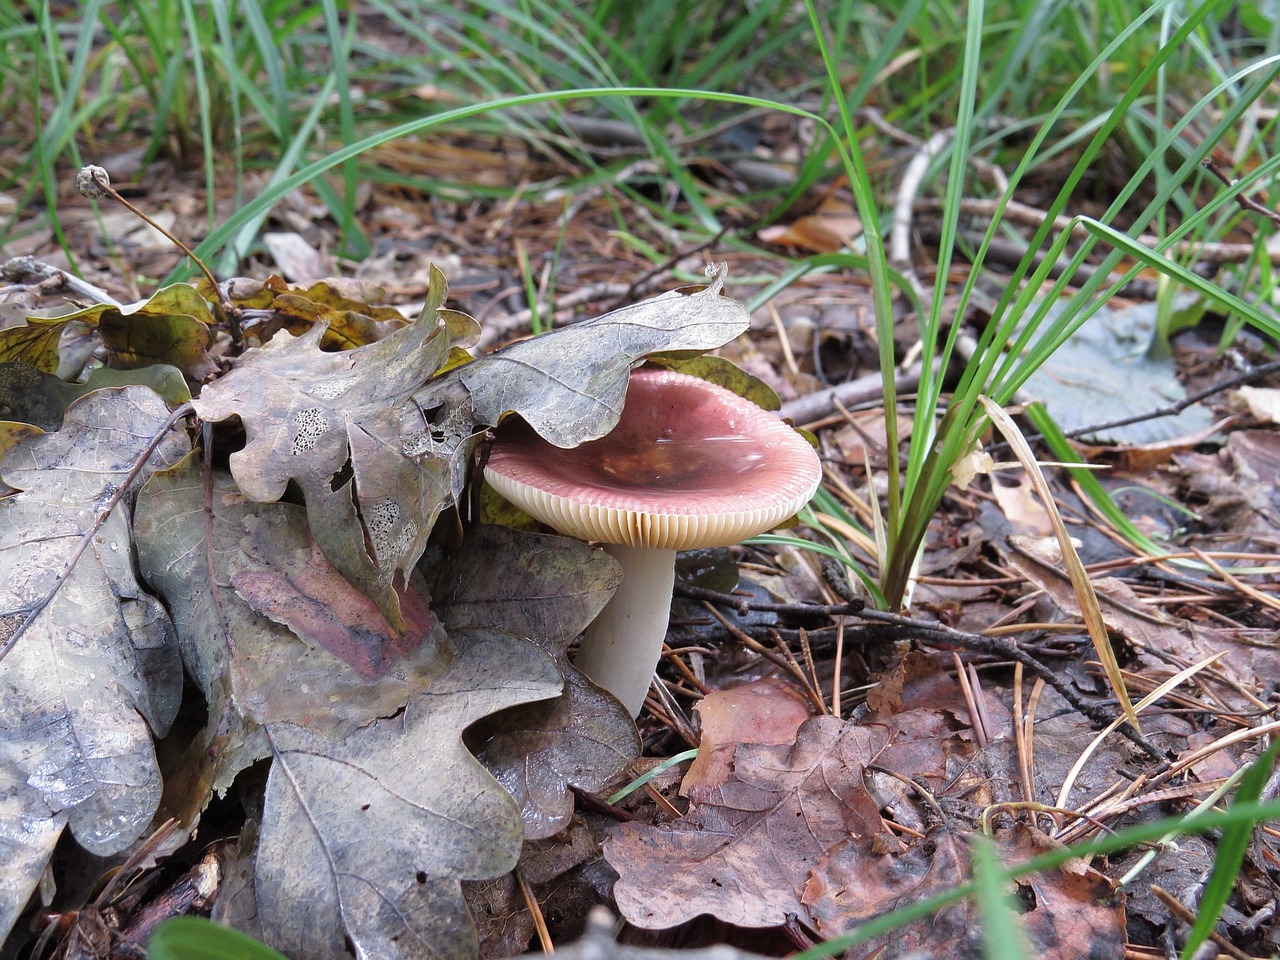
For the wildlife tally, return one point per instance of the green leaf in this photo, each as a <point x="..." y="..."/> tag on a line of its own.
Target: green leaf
<point x="194" y="938"/>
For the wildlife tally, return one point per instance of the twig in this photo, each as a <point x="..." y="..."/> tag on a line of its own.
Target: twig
<point x="936" y="634"/>
<point x="744" y="604"/>
<point x="1002" y="647"/>
<point x="1188" y="917"/>
<point x="1028" y="216"/>
<point x="1169" y="410"/>
<point x="815" y="406"/>
<point x="19" y="269"/>
<point x="1220" y="166"/>
<point x="668" y="264"/>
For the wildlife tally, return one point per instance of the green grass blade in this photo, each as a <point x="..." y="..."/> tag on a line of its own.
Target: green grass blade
<point x="1232" y="846"/>
<point x="194" y="938"/>
<point x="1001" y="933"/>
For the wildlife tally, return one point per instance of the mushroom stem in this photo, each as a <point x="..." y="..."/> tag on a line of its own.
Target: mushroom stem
<point x="621" y="648"/>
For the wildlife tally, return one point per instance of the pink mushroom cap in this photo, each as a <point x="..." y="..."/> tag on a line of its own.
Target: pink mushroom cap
<point x="689" y="464"/>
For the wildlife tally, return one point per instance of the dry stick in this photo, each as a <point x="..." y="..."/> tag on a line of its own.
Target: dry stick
<point x="18" y="269"/>
<point x="1188" y="917"/>
<point x="1220" y="165"/>
<point x="37" y="608"/>
<point x="1170" y="410"/>
<point x="938" y="635"/>
<point x="535" y="911"/>
<point x="815" y="406"/>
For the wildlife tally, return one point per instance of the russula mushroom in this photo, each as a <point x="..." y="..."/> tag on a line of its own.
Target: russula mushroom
<point x="689" y="464"/>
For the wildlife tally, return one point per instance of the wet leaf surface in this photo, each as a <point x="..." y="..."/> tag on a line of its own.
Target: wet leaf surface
<point x="95" y="674"/>
<point x="332" y="423"/>
<point x="365" y="840"/>
<point x="546" y="589"/>
<point x="29" y="396"/>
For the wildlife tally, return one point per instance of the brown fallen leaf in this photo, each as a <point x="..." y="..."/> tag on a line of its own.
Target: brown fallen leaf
<point x="300" y="589"/>
<point x="828" y="230"/>
<point x="545" y="589"/>
<point x="767" y="711"/>
<point x="1068" y="913"/>
<point x="745" y="854"/>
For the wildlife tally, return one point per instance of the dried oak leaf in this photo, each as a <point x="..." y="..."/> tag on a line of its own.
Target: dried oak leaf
<point x="28" y="395"/>
<point x="172" y="326"/>
<point x="293" y="584"/>
<point x="365" y="840"/>
<point x="570" y="384"/>
<point x="88" y="677"/>
<point x="338" y="424"/>
<point x="1069" y="912"/>
<point x="343" y="304"/>
<point x="546" y="589"/>
<point x="746" y="853"/>
<point x="239" y="657"/>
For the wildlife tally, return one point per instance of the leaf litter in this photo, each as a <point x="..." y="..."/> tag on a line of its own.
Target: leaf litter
<point x="310" y="631"/>
<point x="1170" y="624"/>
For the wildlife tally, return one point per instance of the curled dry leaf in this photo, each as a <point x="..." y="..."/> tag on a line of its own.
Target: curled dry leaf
<point x="570" y="384"/>
<point x="338" y="424"/>
<point x="343" y="304"/>
<point x="766" y="711"/>
<point x="791" y="829"/>
<point x="95" y="673"/>
<point x="172" y="326"/>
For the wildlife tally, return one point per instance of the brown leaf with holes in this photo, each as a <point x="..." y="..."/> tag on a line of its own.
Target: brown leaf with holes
<point x="340" y="426"/>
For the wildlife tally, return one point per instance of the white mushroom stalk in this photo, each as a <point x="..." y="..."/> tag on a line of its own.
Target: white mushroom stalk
<point x="688" y="465"/>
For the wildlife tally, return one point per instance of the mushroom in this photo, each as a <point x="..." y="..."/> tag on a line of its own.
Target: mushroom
<point x="688" y="465"/>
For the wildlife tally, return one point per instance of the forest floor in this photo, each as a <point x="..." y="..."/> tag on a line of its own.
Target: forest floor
<point x="932" y="732"/>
